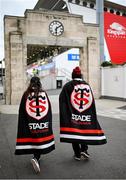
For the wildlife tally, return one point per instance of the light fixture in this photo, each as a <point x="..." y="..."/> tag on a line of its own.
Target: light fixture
<point x="105" y="9"/>
<point x="91" y="5"/>
<point x="77" y="1"/>
<point x="117" y="12"/>
<point x="111" y="11"/>
<point x="84" y="3"/>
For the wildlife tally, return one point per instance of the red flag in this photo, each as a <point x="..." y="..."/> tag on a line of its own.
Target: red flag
<point x="115" y="36"/>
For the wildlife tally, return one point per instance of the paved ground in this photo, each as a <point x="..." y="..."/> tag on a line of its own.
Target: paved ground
<point x="106" y="162"/>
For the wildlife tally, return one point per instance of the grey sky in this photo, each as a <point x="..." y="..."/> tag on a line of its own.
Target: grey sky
<point x="17" y="7"/>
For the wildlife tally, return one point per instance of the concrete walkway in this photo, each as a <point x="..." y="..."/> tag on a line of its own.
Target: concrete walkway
<point x="104" y="107"/>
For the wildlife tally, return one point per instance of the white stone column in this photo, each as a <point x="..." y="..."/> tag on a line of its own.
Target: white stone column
<point x="7" y="69"/>
<point x="83" y="63"/>
<point x="93" y="67"/>
<point x="17" y="67"/>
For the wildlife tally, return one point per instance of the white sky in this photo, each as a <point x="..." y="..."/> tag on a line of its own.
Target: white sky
<point x="18" y="7"/>
<point x="12" y="7"/>
<point x="123" y="2"/>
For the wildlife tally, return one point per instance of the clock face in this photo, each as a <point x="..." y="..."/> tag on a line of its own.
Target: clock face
<point x="56" y="28"/>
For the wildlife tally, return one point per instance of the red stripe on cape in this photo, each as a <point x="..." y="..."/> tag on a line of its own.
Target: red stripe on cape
<point x="89" y="131"/>
<point x="19" y="140"/>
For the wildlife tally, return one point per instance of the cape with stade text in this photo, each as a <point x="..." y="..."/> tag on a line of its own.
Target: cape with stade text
<point x="78" y="119"/>
<point x="34" y="132"/>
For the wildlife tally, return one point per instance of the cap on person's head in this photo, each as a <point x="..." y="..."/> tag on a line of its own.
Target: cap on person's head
<point x="76" y="72"/>
<point x="35" y="81"/>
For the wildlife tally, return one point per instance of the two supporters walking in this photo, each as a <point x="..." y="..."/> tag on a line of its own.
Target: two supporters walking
<point x="78" y="120"/>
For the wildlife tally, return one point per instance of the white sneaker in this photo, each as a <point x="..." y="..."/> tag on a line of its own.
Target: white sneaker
<point x="35" y="165"/>
<point x="77" y="158"/>
<point x="85" y="155"/>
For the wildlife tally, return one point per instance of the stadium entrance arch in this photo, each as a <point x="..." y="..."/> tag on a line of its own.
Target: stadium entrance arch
<point x="43" y="28"/>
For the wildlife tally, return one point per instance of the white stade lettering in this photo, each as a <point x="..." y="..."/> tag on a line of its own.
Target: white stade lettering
<point x="81" y="118"/>
<point x="38" y="125"/>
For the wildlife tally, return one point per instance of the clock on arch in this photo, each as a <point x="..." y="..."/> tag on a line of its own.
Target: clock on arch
<point x="56" y="28"/>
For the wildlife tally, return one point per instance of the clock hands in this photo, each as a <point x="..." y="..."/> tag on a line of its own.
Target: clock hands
<point x="57" y="28"/>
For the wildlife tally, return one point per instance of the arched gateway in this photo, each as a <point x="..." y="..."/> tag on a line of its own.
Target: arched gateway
<point x="33" y="29"/>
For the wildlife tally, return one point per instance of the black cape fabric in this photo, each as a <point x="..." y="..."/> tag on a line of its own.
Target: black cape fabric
<point x="35" y="125"/>
<point x="78" y="119"/>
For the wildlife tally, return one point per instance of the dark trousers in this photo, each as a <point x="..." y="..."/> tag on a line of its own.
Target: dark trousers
<point x="37" y="155"/>
<point x="78" y="148"/>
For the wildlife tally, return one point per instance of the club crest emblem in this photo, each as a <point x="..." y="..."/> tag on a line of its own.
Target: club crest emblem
<point x="81" y="97"/>
<point x="37" y="107"/>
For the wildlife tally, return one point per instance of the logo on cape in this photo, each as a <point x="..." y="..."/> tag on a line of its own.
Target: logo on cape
<point x="37" y="107"/>
<point x="81" y="97"/>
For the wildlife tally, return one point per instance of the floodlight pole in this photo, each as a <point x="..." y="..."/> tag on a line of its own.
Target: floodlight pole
<point x="100" y="21"/>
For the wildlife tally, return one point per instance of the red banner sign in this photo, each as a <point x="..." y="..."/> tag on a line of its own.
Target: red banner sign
<point x="115" y="36"/>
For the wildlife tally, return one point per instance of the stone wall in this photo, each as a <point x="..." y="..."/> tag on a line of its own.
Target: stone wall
<point x="33" y="29"/>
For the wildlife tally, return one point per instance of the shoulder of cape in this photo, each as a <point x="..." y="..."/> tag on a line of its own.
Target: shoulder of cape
<point x="73" y="83"/>
<point x="24" y="96"/>
<point x="76" y="82"/>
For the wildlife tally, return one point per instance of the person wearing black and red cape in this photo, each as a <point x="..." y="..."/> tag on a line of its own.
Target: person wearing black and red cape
<point x="78" y="119"/>
<point x="34" y="134"/>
